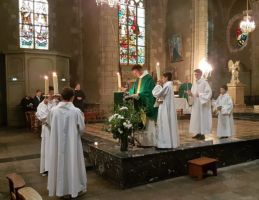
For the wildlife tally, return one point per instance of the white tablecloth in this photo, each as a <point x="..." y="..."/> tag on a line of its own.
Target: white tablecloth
<point x="181" y="103"/>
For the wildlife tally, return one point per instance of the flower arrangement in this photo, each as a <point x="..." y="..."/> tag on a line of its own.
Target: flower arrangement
<point x="124" y="121"/>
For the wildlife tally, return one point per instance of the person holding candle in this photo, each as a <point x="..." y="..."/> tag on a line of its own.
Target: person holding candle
<point x="67" y="174"/>
<point x="42" y="113"/>
<point x="141" y="91"/>
<point x="167" y="127"/>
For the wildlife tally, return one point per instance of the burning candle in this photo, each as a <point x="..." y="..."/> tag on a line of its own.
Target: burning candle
<point x="119" y="80"/>
<point x="55" y="82"/>
<point x="158" y="73"/>
<point x="46" y="85"/>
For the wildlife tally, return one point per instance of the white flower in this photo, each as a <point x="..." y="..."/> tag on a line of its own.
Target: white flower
<point x="120" y="117"/>
<point x="120" y="131"/>
<point x="123" y="108"/>
<point x="113" y="117"/>
<point x="127" y="124"/>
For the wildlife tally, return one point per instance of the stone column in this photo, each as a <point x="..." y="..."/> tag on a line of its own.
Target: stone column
<point x="156" y="34"/>
<point x="200" y="33"/>
<point x="109" y="55"/>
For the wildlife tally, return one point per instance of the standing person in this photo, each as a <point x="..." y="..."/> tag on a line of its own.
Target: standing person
<point x="183" y="90"/>
<point x="42" y="113"/>
<point x="141" y="91"/>
<point x="27" y="103"/>
<point x="37" y="99"/>
<point x="79" y="97"/>
<point x="167" y="130"/>
<point x="67" y="175"/>
<point x="224" y="106"/>
<point x="200" y="99"/>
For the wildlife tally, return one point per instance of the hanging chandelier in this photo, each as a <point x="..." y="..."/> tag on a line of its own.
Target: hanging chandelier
<point x="247" y="25"/>
<point x="111" y="3"/>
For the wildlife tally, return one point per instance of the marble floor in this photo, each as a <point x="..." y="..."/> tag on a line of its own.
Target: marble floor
<point x="244" y="129"/>
<point x="19" y="152"/>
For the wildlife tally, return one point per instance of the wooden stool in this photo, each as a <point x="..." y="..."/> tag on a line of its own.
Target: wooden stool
<point x="15" y="183"/>
<point x="198" y="167"/>
<point x="28" y="193"/>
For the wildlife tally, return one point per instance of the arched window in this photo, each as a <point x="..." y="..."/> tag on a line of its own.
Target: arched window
<point x="132" y="32"/>
<point x="34" y="24"/>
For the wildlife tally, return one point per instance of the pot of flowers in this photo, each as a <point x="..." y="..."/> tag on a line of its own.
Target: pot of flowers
<point x="122" y="124"/>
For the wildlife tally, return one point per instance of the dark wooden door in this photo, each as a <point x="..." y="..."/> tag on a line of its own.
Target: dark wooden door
<point x="3" y="106"/>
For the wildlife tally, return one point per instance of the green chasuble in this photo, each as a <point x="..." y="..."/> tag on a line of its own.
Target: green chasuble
<point x="183" y="89"/>
<point x="144" y="86"/>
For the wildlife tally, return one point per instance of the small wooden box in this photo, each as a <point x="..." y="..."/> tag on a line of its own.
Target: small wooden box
<point x="199" y="167"/>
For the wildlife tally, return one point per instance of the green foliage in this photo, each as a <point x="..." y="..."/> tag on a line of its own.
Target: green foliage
<point x="124" y="121"/>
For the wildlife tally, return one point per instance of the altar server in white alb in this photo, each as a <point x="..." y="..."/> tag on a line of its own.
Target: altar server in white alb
<point x="167" y="127"/>
<point x="224" y="107"/>
<point x="42" y="113"/>
<point x="67" y="174"/>
<point x="200" y="99"/>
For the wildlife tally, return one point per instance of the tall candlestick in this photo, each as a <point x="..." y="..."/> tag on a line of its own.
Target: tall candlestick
<point x="46" y="85"/>
<point x="119" y="81"/>
<point x="158" y="73"/>
<point x="55" y="82"/>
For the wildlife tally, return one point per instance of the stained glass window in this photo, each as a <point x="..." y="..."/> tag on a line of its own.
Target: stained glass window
<point x="132" y="32"/>
<point x="34" y="25"/>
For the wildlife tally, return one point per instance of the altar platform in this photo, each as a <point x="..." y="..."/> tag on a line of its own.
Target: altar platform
<point x="142" y="166"/>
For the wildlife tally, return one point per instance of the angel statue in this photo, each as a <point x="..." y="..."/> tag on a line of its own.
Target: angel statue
<point x="234" y="68"/>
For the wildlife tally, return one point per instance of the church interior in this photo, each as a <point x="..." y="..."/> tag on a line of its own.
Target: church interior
<point x="96" y="44"/>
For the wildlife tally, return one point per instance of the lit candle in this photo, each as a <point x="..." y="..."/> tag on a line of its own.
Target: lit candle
<point x="46" y="85"/>
<point x="158" y="73"/>
<point x="55" y="82"/>
<point x="119" y="81"/>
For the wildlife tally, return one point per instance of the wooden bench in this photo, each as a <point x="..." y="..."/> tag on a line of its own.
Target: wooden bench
<point x="28" y="193"/>
<point x="15" y="183"/>
<point x="200" y="166"/>
<point x="18" y="191"/>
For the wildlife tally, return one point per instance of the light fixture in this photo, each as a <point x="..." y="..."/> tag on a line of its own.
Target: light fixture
<point x="111" y="3"/>
<point x="63" y="79"/>
<point x="14" y="79"/>
<point x="205" y="67"/>
<point x="247" y="25"/>
<point x="95" y="143"/>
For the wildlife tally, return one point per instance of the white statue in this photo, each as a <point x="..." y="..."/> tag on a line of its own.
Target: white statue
<point x="234" y="68"/>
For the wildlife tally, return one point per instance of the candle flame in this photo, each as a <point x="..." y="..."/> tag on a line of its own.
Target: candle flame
<point x="118" y="73"/>
<point x="157" y="63"/>
<point x="54" y="74"/>
<point x="46" y="77"/>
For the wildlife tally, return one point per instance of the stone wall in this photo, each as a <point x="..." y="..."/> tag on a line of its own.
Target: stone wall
<point x="179" y="20"/>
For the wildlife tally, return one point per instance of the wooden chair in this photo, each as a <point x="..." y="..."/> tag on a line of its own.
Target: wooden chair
<point x="18" y="191"/>
<point x="15" y="183"/>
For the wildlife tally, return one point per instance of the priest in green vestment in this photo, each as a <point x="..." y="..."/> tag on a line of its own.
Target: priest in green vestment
<point x="184" y="88"/>
<point x="141" y="91"/>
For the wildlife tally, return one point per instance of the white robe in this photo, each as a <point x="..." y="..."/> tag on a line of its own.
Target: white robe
<point x="67" y="173"/>
<point x="167" y="130"/>
<point x="42" y="114"/>
<point x="225" y="116"/>
<point x="201" y="115"/>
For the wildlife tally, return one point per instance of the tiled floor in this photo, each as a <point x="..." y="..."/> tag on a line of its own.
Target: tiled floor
<point x="19" y="152"/>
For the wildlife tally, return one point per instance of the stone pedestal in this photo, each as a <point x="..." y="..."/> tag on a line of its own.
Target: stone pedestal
<point x="237" y="92"/>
